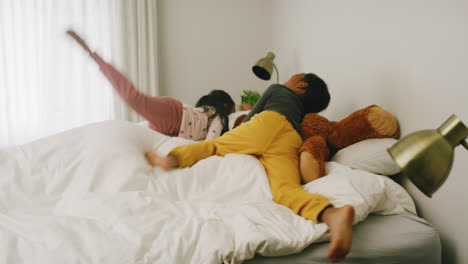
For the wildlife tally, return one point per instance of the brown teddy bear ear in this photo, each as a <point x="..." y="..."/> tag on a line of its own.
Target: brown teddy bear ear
<point x="239" y="120"/>
<point x="370" y="122"/>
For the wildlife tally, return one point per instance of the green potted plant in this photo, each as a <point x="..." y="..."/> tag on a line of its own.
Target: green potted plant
<point x="248" y="99"/>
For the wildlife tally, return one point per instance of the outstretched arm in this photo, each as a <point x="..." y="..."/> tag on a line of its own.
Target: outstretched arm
<point x="121" y="84"/>
<point x="79" y="40"/>
<point x="164" y="163"/>
<point x="137" y="100"/>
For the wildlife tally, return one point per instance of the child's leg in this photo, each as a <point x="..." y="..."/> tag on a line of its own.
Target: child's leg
<point x="163" y="113"/>
<point x="283" y="174"/>
<point x="281" y="164"/>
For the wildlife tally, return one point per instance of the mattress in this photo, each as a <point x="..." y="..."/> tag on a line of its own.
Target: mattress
<point x="402" y="238"/>
<point x="88" y="195"/>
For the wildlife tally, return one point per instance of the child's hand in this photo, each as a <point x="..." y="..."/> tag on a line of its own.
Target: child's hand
<point x="164" y="163"/>
<point x="79" y="40"/>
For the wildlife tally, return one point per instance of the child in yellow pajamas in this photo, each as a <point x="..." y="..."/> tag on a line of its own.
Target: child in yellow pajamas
<point x="270" y="132"/>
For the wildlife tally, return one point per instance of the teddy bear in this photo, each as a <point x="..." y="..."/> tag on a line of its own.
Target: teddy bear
<point x="322" y="138"/>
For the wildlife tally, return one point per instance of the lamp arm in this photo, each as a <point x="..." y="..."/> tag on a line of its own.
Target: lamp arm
<point x="465" y="143"/>
<point x="277" y="73"/>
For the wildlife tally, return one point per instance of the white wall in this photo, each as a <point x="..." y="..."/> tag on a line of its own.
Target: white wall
<point x="410" y="57"/>
<point x="211" y="44"/>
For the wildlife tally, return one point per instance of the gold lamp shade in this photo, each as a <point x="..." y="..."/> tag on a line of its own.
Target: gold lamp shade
<point x="263" y="69"/>
<point x="426" y="156"/>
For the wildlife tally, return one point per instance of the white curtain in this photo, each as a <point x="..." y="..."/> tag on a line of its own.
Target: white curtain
<point x="47" y="82"/>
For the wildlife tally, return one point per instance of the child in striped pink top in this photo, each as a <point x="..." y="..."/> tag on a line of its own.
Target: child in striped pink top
<point x="167" y="115"/>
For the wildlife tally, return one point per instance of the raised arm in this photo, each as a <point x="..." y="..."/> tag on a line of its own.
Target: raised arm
<point x="135" y="99"/>
<point x="79" y="40"/>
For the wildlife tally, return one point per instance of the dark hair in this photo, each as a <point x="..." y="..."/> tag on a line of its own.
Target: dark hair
<point x="316" y="97"/>
<point x="217" y="99"/>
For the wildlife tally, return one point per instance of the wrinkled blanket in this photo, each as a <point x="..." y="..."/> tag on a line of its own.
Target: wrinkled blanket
<point x="88" y="195"/>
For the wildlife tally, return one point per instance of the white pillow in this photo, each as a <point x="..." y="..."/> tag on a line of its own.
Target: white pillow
<point x="365" y="191"/>
<point x="369" y="155"/>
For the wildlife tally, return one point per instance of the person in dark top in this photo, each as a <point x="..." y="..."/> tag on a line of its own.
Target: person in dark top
<point x="271" y="133"/>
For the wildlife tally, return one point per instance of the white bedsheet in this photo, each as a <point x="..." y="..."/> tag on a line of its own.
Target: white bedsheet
<point x="88" y="195"/>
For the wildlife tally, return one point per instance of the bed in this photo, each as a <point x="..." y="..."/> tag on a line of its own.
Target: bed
<point x="401" y="238"/>
<point x="87" y="195"/>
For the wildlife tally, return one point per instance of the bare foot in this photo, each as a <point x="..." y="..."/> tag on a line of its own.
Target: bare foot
<point x="164" y="163"/>
<point x="340" y="222"/>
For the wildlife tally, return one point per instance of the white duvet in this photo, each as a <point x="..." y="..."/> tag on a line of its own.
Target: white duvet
<point x="88" y="195"/>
